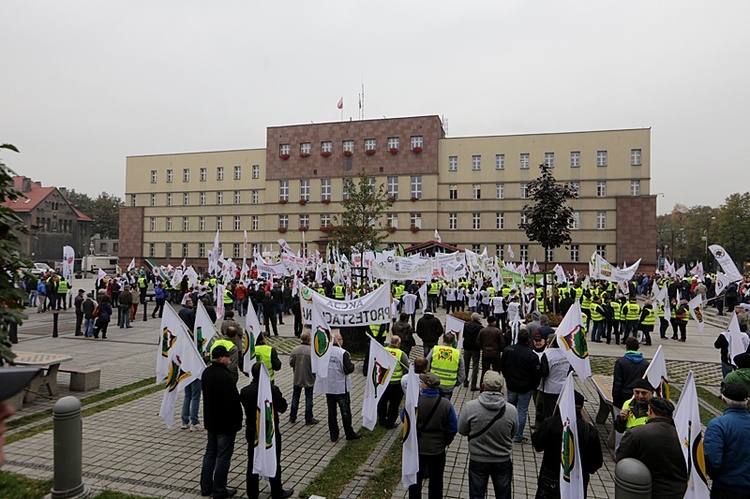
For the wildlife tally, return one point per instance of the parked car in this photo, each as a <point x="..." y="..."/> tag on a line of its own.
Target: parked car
<point x="39" y="269"/>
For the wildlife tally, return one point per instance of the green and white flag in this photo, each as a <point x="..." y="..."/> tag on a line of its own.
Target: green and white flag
<point x="381" y="365"/>
<point x="204" y="332"/>
<point x="455" y="326"/>
<point x="410" y="448"/>
<point x="696" y="312"/>
<point x="687" y="421"/>
<point x="656" y="374"/>
<point x="264" y="456"/>
<point x="322" y="341"/>
<point x="571" y="471"/>
<point x="249" y="337"/>
<point x="571" y="338"/>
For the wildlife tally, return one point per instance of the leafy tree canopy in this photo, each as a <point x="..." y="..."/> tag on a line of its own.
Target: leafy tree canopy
<point x="104" y="210"/>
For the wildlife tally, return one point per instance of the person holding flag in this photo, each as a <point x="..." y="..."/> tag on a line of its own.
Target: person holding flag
<point x="390" y="401"/>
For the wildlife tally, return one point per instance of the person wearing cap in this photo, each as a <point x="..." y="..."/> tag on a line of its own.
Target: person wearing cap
<point x="268" y="355"/>
<point x="634" y="412"/>
<point x="723" y="344"/>
<point x="447" y="363"/>
<point x="657" y="445"/>
<point x="547" y="439"/>
<point x="249" y="400"/>
<point x="222" y="416"/>
<point x="12" y="381"/>
<point x="337" y="386"/>
<point x="725" y="446"/>
<point x="390" y="401"/>
<point x="490" y="425"/>
<point x="628" y="369"/>
<point x="437" y="426"/>
<point x="88" y="306"/>
<point x="740" y="375"/>
<point x="77" y="302"/>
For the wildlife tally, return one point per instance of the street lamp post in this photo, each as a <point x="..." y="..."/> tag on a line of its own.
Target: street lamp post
<point x="705" y="257"/>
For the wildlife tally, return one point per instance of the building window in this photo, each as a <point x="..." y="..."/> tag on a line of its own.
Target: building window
<point x="236" y="250"/>
<point x="185" y="224"/>
<point x="549" y="159"/>
<point x="283" y="190"/>
<point x="392" y="143"/>
<point x="476" y="191"/>
<point x="499" y="191"/>
<point x="238" y="173"/>
<point x="575" y="252"/>
<point x="305" y="148"/>
<point x="304" y="220"/>
<point x="524" y="219"/>
<point x="186" y="175"/>
<point x="325" y="220"/>
<point x="169" y="199"/>
<point x="415" y="220"/>
<point x="391" y="220"/>
<point x="152" y="224"/>
<point x="203" y="174"/>
<point x="256" y="171"/>
<point x="635" y="157"/>
<point x="237" y="224"/>
<point x="153" y="176"/>
<point x="254" y="223"/>
<point x="575" y="159"/>
<point x="524" y="253"/>
<point x="201" y="223"/>
<point x="452" y="191"/>
<point x="476" y="162"/>
<point x="237" y="197"/>
<point x="476" y="221"/>
<point x="370" y="144"/>
<point x="500" y="221"/>
<point x="452" y="163"/>
<point x="575" y="221"/>
<point x="348" y="146"/>
<point x="219" y="173"/>
<point x="201" y="250"/>
<point x="132" y="200"/>
<point x="601" y="250"/>
<point x="170" y="176"/>
<point x="284" y="221"/>
<point x="325" y="189"/>
<point x="284" y="150"/>
<point x="219" y="197"/>
<point x="601" y="220"/>
<point x="151" y="250"/>
<point x="550" y="255"/>
<point x="304" y="189"/>
<point x="601" y="189"/>
<point x="499" y="161"/>
<point x="524" y="161"/>
<point x="416" y="186"/>
<point x="254" y="197"/>
<point x="186" y="198"/>
<point x="153" y="199"/>
<point x="169" y="224"/>
<point x="393" y="187"/>
<point x="452" y="221"/>
<point x="348" y="185"/>
<point x="202" y="198"/>
<point x="575" y="188"/>
<point x="326" y="146"/>
<point x="168" y="250"/>
<point x="524" y="190"/>
<point x="635" y="187"/>
<point x="601" y="158"/>
<point x="417" y="141"/>
<point x="220" y="223"/>
<point x="500" y="252"/>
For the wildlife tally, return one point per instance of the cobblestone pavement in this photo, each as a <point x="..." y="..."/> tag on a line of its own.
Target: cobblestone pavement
<point x="129" y="449"/>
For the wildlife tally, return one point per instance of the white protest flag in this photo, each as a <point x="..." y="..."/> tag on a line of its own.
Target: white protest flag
<point x="559" y="273"/>
<point x="726" y="262"/>
<point x="455" y="326"/>
<point x="101" y="274"/>
<point x="170" y="322"/>
<point x="322" y="340"/>
<point x="381" y="365"/>
<point x="205" y="331"/>
<point x="656" y="374"/>
<point x="660" y="294"/>
<point x="131" y="265"/>
<point x="410" y="448"/>
<point x="264" y="455"/>
<point x="251" y="333"/>
<point x="535" y="267"/>
<point x="571" y="337"/>
<point x="510" y="252"/>
<point x="722" y="281"/>
<point x="697" y="271"/>
<point x="681" y="271"/>
<point x="219" y="300"/>
<point x="696" y="312"/>
<point x="69" y="256"/>
<point x="738" y="341"/>
<point x="687" y="421"/>
<point x="285" y="248"/>
<point x="423" y="296"/>
<point x="185" y="364"/>
<point x="437" y="236"/>
<point x="571" y="471"/>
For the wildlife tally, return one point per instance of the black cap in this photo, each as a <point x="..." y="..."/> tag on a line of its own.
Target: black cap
<point x="734" y="391"/>
<point x="661" y="406"/>
<point x="643" y="384"/>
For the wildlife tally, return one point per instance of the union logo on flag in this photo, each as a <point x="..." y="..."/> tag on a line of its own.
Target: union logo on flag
<point x="575" y="341"/>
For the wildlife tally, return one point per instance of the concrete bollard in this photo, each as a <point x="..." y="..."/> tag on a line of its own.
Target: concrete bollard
<point x="632" y="480"/>
<point x="68" y="450"/>
<point x="55" y="317"/>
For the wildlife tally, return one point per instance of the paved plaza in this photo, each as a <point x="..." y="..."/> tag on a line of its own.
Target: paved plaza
<point x="129" y="449"/>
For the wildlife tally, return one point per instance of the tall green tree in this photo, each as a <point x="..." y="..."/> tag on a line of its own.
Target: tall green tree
<point x="360" y="225"/>
<point x="106" y="214"/>
<point x="82" y="201"/>
<point x="732" y="227"/>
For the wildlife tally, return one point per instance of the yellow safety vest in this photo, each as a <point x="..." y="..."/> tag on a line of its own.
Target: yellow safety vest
<point x="615" y="309"/>
<point x="650" y="318"/>
<point x="398" y="371"/>
<point x="338" y="292"/>
<point x="445" y="361"/>
<point x="586" y="302"/>
<point x="228" y="297"/>
<point x="491" y="291"/>
<point x="595" y="315"/>
<point x="263" y="353"/>
<point x="634" y="312"/>
<point x="62" y="287"/>
<point x="632" y="420"/>
<point x="433" y="289"/>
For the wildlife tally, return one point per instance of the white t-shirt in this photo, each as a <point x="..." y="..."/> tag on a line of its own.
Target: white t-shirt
<point x="410" y="303"/>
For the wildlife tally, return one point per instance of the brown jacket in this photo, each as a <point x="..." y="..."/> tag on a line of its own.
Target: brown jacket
<point x="491" y="341"/>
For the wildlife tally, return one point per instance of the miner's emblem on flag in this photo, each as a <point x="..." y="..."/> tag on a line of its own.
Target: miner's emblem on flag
<point x="575" y="341"/>
<point x="322" y="341"/>
<point x="379" y="375"/>
<point x="567" y="456"/>
<point x="167" y="342"/>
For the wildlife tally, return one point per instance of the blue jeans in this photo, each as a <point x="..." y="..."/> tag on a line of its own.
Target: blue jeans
<point x="216" y="460"/>
<point x="32" y="297"/>
<point x="598" y="331"/>
<point x="124" y="319"/>
<point x="521" y="401"/>
<point x="296" y="392"/>
<point x="191" y="403"/>
<point x="88" y="327"/>
<point x="480" y="473"/>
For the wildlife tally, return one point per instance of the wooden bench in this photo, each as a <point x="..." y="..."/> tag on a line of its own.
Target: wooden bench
<point x="603" y="385"/>
<point x="82" y="379"/>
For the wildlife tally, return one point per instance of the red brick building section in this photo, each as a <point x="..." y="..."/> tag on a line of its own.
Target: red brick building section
<point x="382" y="162"/>
<point x="131" y="235"/>
<point x="636" y="231"/>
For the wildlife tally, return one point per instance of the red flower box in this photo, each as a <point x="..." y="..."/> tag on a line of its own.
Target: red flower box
<point x="414" y="200"/>
<point x="303" y="202"/>
<point x="282" y="230"/>
<point x="391" y="229"/>
<point x="325" y="154"/>
<point x="393" y="150"/>
<point x="283" y="201"/>
<point x="326" y="201"/>
<point x="304" y="154"/>
<point x="391" y="199"/>
<point x="414" y="228"/>
<point x="347" y="153"/>
<point x="327" y="229"/>
<point x="417" y="150"/>
<point x="303" y="228"/>
<point x="284" y="157"/>
<point x="370" y="152"/>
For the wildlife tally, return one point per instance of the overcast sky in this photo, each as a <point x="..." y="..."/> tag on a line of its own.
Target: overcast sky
<point x="83" y="84"/>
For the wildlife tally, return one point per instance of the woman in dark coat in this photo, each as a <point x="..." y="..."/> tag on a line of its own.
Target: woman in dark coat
<point x="102" y="320"/>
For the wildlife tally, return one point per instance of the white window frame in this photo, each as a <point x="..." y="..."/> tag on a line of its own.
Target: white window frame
<point x="238" y="172"/>
<point x="186" y="174"/>
<point x="499" y="220"/>
<point x="237" y="197"/>
<point x="325" y="220"/>
<point x="524" y="253"/>
<point x="452" y="191"/>
<point x="601" y="188"/>
<point x="133" y="200"/>
<point x="283" y="190"/>
<point x="499" y="190"/>
<point x="499" y="161"/>
<point x="476" y="191"/>
<point x="415" y="219"/>
<point x="575" y="187"/>
<point x="254" y="196"/>
<point x="151" y="250"/>
<point x="304" y="189"/>
<point x="254" y="223"/>
<point x="550" y="254"/>
<point x="236" y="250"/>
<point x="575" y="253"/>
<point x="575" y="221"/>
<point x="347" y="146"/>
<point x="326" y="146"/>
<point x="416" y="186"/>
<point x="452" y="163"/>
<point x="201" y="250"/>
<point x="170" y="175"/>
<point x="416" y="141"/>
<point x="635" y="157"/>
<point x="169" y="199"/>
<point x="219" y="222"/>
<point x="549" y="159"/>
<point x="393" y="187"/>
<point x="575" y="159"/>
<point x="524" y="161"/>
<point x="370" y="145"/>
<point x="601" y="158"/>
<point x="201" y="223"/>
<point x="393" y="143"/>
<point x="476" y="221"/>
<point x="304" y="220"/>
<point x="325" y="189"/>
<point x="185" y="250"/>
<point x="305" y="148"/>
<point x="476" y="162"/>
<point x="186" y="199"/>
<point x="601" y="220"/>
<point x="524" y="190"/>
<point x="185" y="224"/>
<point x="153" y="199"/>
<point x="284" y="149"/>
<point x="635" y="187"/>
<point x="219" y="197"/>
<point x="237" y="223"/>
<point x="203" y="174"/>
<point x="256" y="171"/>
<point x="601" y="250"/>
<point x="202" y="199"/>
<point x="452" y="221"/>
<point x="154" y="176"/>
<point x="283" y="221"/>
<point x="152" y="224"/>
<point x="220" y="173"/>
<point x="169" y="224"/>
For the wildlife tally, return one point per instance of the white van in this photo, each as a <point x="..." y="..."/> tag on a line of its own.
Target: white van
<point x="92" y="264"/>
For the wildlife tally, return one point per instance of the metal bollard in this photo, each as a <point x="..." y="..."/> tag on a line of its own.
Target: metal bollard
<point x="68" y="450"/>
<point x="145" y="311"/>
<point x="632" y="480"/>
<point x="55" y="315"/>
<point x="13" y="331"/>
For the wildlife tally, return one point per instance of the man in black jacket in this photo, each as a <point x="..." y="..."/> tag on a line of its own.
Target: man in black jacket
<point x="522" y="371"/>
<point x="471" y="349"/>
<point x="222" y="418"/>
<point x="249" y="399"/>
<point x="429" y="330"/>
